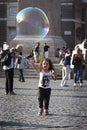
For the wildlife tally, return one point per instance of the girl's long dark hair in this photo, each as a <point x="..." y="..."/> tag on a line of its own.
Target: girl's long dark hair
<point x="50" y="63"/>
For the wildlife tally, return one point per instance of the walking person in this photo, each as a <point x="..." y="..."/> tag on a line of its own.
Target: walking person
<point x="74" y="52"/>
<point x="46" y="71"/>
<point x="36" y="52"/>
<point x="78" y="62"/>
<point x="46" y="52"/>
<point x="66" y="67"/>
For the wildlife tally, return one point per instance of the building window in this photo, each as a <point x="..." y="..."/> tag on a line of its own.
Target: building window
<point x="12" y="11"/>
<point x="78" y="13"/>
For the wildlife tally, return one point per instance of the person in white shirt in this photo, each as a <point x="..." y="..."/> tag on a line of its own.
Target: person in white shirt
<point x="46" y="72"/>
<point x="21" y="63"/>
<point x="66" y="67"/>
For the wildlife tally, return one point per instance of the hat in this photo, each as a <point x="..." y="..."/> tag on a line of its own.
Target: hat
<point x="5" y="46"/>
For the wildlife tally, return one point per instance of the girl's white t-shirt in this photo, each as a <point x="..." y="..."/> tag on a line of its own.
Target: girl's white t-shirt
<point x="44" y="81"/>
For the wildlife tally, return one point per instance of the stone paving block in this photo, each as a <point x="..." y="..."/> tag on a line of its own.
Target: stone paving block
<point x="67" y="110"/>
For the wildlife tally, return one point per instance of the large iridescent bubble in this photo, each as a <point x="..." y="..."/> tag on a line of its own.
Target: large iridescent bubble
<point x="32" y="22"/>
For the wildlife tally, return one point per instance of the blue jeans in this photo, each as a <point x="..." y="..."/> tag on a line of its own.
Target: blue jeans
<point x="21" y="76"/>
<point x="78" y="73"/>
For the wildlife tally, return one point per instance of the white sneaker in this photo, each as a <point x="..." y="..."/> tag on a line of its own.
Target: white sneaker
<point x="81" y="84"/>
<point x="40" y="111"/>
<point x="46" y="112"/>
<point x="62" y="85"/>
<point x="74" y="84"/>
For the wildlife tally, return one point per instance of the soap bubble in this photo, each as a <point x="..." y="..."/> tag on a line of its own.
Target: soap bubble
<point x="32" y="22"/>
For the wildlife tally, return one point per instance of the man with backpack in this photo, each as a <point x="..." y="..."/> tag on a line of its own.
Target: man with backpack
<point x="8" y="67"/>
<point x="8" y="61"/>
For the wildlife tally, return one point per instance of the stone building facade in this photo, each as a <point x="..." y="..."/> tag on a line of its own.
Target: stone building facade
<point x="3" y="17"/>
<point x="8" y="11"/>
<point x="68" y="19"/>
<point x="73" y="21"/>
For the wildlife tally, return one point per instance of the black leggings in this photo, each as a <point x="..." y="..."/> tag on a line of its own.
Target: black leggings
<point x="44" y="97"/>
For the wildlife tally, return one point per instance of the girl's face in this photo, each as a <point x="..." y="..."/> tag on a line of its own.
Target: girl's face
<point x="45" y="65"/>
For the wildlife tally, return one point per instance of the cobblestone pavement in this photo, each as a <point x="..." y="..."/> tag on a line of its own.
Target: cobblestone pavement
<point x="68" y="107"/>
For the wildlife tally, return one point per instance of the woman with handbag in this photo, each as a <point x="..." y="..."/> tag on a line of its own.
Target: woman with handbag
<point x="66" y="67"/>
<point x="78" y="62"/>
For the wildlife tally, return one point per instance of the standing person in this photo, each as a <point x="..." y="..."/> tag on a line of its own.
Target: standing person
<point x="45" y="70"/>
<point x="74" y="52"/>
<point x="36" y="52"/>
<point x="31" y="54"/>
<point x="78" y="62"/>
<point x="61" y="53"/>
<point x="66" y="67"/>
<point x="19" y="48"/>
<point x="20" y="63"/>
<point x="46" y="53"/>
<point x="8" y="67"/>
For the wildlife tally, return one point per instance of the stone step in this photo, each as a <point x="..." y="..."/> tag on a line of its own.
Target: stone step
<point x="31" y="73"/>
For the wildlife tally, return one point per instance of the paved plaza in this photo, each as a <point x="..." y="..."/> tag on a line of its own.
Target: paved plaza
<point x="67" y="110"/>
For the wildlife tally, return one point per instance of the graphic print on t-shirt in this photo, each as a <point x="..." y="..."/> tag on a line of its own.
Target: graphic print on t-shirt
<point x="45" y="82"/>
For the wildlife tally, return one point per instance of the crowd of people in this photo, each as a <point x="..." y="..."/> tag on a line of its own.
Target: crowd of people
<point x="38" y="54"/>
<point x="72" y="60"/>
<point x="13" y="58"/>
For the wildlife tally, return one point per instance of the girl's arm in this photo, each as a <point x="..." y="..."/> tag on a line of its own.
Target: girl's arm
<point x="31" y="60"/>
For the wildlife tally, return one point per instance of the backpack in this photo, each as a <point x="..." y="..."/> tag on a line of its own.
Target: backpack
<point x="5" y="58"/>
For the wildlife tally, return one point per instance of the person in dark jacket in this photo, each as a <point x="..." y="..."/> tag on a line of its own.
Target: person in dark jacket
<point x="36" y="52"/>
<point x="46" y="47"/>
<point x="9" y="72"/>
<point x="78" y="62"/>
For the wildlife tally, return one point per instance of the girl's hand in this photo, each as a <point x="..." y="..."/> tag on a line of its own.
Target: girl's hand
<point x="31" y="60"/>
